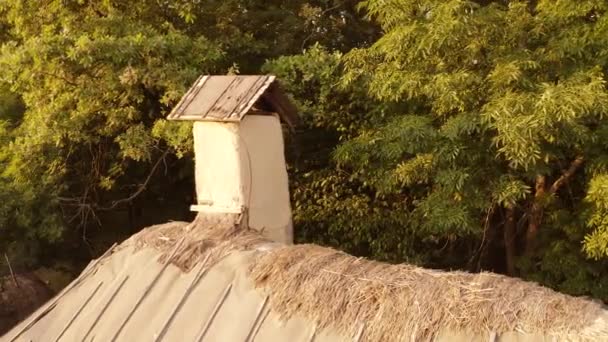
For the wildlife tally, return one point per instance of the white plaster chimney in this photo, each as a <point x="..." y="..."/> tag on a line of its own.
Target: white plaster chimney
<point x="239" y="151"/>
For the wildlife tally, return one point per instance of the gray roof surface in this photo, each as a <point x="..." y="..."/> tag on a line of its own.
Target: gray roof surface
<point x="133" y="293"/>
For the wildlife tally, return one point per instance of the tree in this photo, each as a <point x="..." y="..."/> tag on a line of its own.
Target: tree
<point x="331" y="206"/>
<point x="470" y="135"/>
<point x="502" y="136"/>
<point x="97" y="79"/>
<point x="453" y="134"/>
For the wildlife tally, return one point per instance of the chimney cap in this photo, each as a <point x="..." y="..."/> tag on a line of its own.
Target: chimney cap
<point x="229" y="98"/>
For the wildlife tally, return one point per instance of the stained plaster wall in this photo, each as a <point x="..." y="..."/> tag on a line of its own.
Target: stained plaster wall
<point x="242" y="165"/>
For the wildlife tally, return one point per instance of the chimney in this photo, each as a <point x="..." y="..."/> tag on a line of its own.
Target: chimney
<point x="239" y="153"/>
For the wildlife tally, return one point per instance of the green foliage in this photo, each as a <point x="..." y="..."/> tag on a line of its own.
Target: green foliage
<point x="84" y="91"/>
<point x="94" y="78"/>
<point x="418" y="170"/>
<point x="493" y="106"/>
<point x="334" y="205"/>
<point x="596" y="243"/>
<point x="331" y="207"/>
<point x="475" y="109"/>
<point x="17" y="200"/>
<point x="507" y="192"/>
<point x="430" y="132"/>
<point x="177" y="135"/>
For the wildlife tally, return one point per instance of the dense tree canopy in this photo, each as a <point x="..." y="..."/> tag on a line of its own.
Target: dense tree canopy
<point x="483" y="143"/>
<point x="96" y="79"/>
<point x="452" y="133"/>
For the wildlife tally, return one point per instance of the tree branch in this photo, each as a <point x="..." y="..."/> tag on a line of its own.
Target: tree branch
<point x="509" y="235"/>
<point x="142" y="187"/>
<point x="8" y="262"/>
<point x="487" y="238"/>
<point x="85" y="207"/>
<point x="537" y="209"/>
<point x="567" y="174"/>
<point x="320" y="15"/>
<point x="72" y="83"/>
<point x="536" y="214"/>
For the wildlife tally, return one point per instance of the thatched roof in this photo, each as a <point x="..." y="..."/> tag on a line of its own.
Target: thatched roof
<point x="193" y="281"/>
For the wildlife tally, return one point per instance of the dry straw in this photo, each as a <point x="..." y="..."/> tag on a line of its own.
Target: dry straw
<point x="212" y="236"/>
<point x="395" y="302"/>
<point x="404" y="302"/>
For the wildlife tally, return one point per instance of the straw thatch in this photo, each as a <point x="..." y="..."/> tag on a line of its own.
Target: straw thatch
<point x="389" y="302"/>
<point x="399" y="302"/>
<point x="209" y="237"/>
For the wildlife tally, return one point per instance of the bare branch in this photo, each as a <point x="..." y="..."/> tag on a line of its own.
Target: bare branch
<point x="85" y="210"/>
<point x="8" y="262"/>
<point x="320" y="15"/>
<point x="142" y="187"/>
<point x="59" y="77"/>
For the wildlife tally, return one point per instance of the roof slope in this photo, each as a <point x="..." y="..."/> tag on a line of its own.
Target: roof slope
<point x="20" y="295"/>
<point x="231" y="97"/>
<point x="211" y="281"/>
